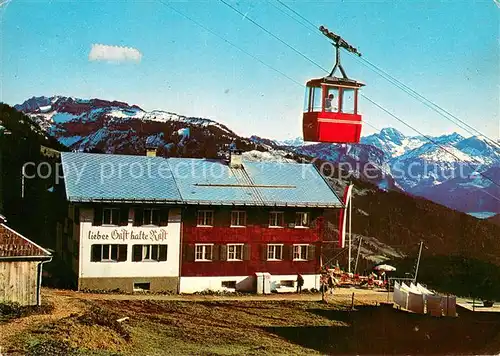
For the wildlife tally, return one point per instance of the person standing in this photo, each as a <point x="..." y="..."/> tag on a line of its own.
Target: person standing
<point x="331" y="283"/>
<point x="300" y="282"/>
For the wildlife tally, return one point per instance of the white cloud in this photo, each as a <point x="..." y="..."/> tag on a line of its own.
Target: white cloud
<point x="100" y="52"/>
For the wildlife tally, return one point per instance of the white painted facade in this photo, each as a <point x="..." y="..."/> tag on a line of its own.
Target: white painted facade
<point x="129" y="235"/>
<point x="246" y="283"/>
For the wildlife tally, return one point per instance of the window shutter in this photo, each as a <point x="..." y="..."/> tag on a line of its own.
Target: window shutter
<point x="97" y="215"/>
<point x="311" y="250"/>
<point x="137" y="253"/>
<point x="188" y="253"/>
<point x="114" y="252"/>
<point x="285" y="252"/>
<point x="138" y="216"/>
<point x="246" y="252"/>
<point x="223" y="252"/>
<point x="77" y="215"/>
<point x="263" y="252"/>
<point x="124" y="216"/>
<point x="115" y="217"/>
<point x="215" y="252"/>
<point x="95" y="253"/>
<point x="122" y="253"/>
<point x="163" y="252"/>
<point x="164" y="217"/>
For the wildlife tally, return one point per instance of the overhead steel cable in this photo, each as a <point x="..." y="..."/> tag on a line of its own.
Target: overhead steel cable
<point x="429" y="103"/>
<point x="298" y="14"/>
<point x="373" y="102"/>
<point x="271" y="34"/>
<point x="324" y="69"/>
<point x="229" y="42"/>
<point x="410" y="91"/>
<point x="431" y="140"/>
<point x="313" y="28"/>
<point x="327" y="71"/>
<point x="241" y="49"/>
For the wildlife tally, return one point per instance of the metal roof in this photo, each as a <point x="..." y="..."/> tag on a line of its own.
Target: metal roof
<point x="94" y="177"/>
<point x="97" y="177"/>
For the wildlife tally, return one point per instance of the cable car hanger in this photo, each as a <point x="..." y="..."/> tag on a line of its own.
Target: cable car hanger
<point x="338" y="42"/>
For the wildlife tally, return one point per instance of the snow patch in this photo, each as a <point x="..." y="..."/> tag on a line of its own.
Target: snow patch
<point x="45" y="108"/>
<point x="273" y="156"/>
<point x="482" y="214"/>
<point x="126" y="113"/>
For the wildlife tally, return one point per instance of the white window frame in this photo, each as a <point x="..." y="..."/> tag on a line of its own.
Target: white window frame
<point x="235" y="253"/>
<point x="203" y="252"/>
<point x="204" y="219"/>
<point x="276" y="214"/>
<point x="110" y="253"/>
<point x="297" y="252"/>
<point x="113" y="211"/>
<point x="151" y="257"/>
<point x="241" y="218"/>
<point x="302" y="213"/>
<point x="150" y="222"/>
<point x="273" y="247"/>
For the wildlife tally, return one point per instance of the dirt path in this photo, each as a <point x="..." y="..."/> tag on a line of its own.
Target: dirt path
<point x="361" y="295"/>
<point x="63" y="307"/>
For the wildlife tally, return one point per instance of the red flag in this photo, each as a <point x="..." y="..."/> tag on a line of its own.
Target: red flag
<point x="343" y="215"/>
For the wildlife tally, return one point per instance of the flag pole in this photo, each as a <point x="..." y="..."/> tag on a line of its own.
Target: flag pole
<point x="350" y="224"/>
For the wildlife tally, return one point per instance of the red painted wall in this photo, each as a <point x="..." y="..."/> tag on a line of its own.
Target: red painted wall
<point x="256" y="235"/>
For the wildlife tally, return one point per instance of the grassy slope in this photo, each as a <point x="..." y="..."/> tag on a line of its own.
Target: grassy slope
<point x="254" y="328"/>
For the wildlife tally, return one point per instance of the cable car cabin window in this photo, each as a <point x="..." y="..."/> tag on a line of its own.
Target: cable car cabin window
<point x="331" y="99"/>
<point x="307" y="97"/>
<point x="316" y="99"/>
<point x="348" y="101"/>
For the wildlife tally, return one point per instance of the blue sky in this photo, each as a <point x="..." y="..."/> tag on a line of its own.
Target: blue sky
<point x="447" y="51"/>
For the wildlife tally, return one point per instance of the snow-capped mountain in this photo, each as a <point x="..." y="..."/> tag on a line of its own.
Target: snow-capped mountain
<point x="59" y="110"/>
<point x="113" y="126"/>
<point x="392" y="142"/>
<point x="447" y="174"/>
<point x="417" y="165"/>
<point x="471" y="193"/>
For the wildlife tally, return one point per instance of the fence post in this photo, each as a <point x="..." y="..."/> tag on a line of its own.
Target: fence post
<point x="447" y="303"/>
<point x="388" y="289"/>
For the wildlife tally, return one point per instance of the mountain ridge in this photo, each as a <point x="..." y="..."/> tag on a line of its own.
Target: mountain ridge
<point x="396" y="161"/>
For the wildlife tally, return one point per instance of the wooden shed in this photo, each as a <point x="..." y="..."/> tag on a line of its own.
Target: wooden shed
<point x="21" y="262"/>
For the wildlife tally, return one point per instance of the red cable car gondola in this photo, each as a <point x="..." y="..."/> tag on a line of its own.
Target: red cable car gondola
<point x="331" y="103"/>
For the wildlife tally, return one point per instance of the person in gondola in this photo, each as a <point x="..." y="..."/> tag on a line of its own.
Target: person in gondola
<point x="328" y="103"/>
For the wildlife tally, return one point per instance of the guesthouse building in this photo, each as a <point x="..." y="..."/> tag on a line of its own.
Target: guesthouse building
<point x="187" y="225"/>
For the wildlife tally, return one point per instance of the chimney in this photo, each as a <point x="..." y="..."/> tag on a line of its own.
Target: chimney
<point x="235" y="158"/>
<point x="151" y="151"/>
